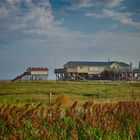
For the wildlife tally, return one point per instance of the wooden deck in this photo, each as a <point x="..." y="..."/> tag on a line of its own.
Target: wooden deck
<point x="121" y="75"/>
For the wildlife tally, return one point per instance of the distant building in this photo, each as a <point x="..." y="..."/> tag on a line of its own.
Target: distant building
<point x="37" y="71"/>
<point x="94" y="67"/>
<point x="82" y="70"/>
<point x="33" y="74"/>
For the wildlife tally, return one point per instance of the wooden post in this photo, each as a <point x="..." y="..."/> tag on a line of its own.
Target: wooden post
<point x="50" y="98"/>
<point x="98" y="95"/>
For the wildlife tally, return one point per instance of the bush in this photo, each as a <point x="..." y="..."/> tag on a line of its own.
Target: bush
<point x="62" y="99"/>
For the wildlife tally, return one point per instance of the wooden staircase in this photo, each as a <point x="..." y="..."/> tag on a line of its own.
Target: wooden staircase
<point x="18" y="78"/>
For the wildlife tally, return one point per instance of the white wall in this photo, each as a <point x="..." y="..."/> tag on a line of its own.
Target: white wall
<point x="39" y="72"/>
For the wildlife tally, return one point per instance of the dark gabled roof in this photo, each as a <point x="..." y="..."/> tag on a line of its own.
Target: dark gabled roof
<point x="86" y="63"/>
<point x="121" y="63"/>
<point x="93" y="63"/>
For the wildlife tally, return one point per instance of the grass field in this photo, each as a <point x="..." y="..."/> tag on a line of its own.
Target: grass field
<point x="78" y="111"/>
<point x="36" y="92"/>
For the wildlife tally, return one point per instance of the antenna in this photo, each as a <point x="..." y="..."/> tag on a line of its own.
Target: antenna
<point x="108" y="60"/>
<point x="131" y="65"/>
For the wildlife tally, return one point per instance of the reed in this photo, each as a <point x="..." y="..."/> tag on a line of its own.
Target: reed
<point x="93" y="121"/>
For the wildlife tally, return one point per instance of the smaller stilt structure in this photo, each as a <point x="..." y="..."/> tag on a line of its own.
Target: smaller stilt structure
<point x="33" y="74"/>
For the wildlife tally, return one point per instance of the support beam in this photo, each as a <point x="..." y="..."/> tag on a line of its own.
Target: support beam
<point x="63" y="75"/>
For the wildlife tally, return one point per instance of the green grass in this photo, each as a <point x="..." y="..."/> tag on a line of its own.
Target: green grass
<point x="36" y="92"/>
<point x="100" y="120"/>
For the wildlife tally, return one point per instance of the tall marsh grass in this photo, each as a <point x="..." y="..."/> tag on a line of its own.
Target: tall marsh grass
<point x="93" y="121"/>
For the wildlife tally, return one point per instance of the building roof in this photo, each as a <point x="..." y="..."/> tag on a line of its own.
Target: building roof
<point x="121" y="63"/>
<point x="93" y="63"/>
<point x="37" y="69"/>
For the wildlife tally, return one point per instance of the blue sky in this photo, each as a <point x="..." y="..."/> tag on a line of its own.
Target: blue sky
<point x="48" y="33"/>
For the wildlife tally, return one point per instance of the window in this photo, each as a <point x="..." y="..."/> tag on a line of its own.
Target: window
<point x="93" y="69"/>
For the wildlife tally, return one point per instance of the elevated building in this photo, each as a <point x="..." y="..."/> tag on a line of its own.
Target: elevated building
<point x="81" y="70"/>
<point x="33" y="74"/>
<point x="95" y="67"/>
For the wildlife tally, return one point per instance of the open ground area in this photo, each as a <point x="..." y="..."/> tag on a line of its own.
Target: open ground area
<point x="38" y="92"/>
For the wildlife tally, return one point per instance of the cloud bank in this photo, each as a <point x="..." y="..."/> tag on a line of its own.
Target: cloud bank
<point x="31" y="36"/>
<point x="124" y="18"/>
<point x="91" y="3"/>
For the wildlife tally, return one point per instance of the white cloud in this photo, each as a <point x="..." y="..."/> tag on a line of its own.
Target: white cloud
<point x="4" y="12"/>
<point x="33" y="16"/>
<point x="39" y="21"/>
<point x="90" y="3"/>
<point x="114" y="26"/>
<point x="13" y="2"/>
<point x="112" y="3"/>
<point x="41" y="16"/>
<point x="82" y="3"/>
<point x="95" y="15"/>
<point x="124" y="18"/>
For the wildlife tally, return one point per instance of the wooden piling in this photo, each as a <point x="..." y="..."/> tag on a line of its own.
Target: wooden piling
<point x="50" y="98"/>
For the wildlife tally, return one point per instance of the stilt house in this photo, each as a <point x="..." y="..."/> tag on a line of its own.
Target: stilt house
<point x="81" y="70"/>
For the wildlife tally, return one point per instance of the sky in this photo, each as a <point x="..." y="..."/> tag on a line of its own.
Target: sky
<point x="49" y="33"/>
